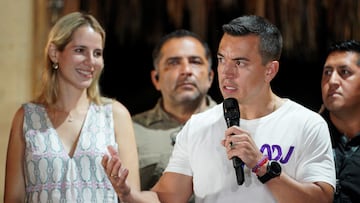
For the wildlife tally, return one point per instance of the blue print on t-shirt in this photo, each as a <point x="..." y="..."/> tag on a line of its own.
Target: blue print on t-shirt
<point x="274" y="152"/>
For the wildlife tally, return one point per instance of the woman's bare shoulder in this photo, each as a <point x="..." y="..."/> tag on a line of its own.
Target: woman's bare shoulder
<point x="119" y="109"/>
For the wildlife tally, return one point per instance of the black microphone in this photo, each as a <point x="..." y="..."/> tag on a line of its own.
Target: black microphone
<point x="232" y="117"/>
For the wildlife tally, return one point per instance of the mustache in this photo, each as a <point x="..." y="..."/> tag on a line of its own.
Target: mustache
<point x="186" y="81"/>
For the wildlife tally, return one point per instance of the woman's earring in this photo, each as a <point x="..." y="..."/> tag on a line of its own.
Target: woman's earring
<point x="55" y="66"/>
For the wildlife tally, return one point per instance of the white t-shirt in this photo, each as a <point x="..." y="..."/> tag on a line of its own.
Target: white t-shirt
<point x="295" y="136"/>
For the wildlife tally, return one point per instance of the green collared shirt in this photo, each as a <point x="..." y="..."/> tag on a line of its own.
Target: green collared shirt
<point x="155" y="132"/>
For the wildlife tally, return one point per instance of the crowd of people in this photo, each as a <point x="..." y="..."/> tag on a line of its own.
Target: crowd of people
<point x="71" y="144"/>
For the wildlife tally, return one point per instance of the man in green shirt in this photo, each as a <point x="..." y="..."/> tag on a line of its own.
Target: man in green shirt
<point x="183" y="74"/>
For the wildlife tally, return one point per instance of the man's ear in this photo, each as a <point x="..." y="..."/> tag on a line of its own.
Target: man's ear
<point x="211" y="76"/>
<point x="155" y="79"/>
<point x="52" y="52"/>
<point x="272" y="69"/>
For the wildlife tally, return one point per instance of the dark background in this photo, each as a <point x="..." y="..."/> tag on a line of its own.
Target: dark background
<point x="134" y="26"/>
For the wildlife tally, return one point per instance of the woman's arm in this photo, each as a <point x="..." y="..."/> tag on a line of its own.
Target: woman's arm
<point x="125" y="137"/>
<point x="14" y="173"/>
<point x="118" y="174"/>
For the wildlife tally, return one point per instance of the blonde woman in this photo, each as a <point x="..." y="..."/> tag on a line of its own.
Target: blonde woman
<point x="57" y="140"/>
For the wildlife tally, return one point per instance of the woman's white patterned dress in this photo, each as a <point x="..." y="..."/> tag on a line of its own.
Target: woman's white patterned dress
<point x="51" y="175"/>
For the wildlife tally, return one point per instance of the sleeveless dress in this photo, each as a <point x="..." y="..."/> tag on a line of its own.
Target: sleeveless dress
<point x="51" y="175"/>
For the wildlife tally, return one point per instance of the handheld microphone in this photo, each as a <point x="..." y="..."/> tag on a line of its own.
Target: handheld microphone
<point x="232" y="117"/>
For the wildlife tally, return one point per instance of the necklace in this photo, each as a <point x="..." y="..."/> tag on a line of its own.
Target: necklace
<point x="70" y="118"/>
<point x="69" y="115"/>
<point x="57" y="113"/>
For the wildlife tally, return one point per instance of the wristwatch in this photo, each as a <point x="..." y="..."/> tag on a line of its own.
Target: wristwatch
<point x="273" y="169"/>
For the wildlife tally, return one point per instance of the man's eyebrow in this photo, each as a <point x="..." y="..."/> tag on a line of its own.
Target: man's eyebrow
<point x="336" y="67"/>
<point x="195" y="57"/>
<point x="240" y="58"/>
<point x="173" y="58"/>
<point x="327" y="67"/>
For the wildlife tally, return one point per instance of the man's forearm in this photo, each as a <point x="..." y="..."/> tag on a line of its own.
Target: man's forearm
<point x="140" y="197"/>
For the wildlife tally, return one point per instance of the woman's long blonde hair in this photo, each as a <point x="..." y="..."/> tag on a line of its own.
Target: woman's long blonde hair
<point x="60" y="35"/>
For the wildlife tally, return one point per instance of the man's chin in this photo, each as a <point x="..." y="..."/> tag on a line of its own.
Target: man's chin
<point x="188" y="97"/>
<point x="333" y="106"/>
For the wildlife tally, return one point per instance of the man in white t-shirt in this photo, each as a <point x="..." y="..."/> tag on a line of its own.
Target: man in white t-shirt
<point x="285" y="148"/>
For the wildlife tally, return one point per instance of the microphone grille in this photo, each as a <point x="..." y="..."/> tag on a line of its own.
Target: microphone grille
<point x="231" y="109"/>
